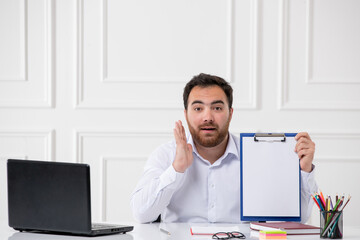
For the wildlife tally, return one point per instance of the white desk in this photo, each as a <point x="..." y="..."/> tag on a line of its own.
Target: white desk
<point x="179" y="231"/>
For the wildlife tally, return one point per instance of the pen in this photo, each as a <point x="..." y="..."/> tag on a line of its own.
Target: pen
<point x="164" y="231"/>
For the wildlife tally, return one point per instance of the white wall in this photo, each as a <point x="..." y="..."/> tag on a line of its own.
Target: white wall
<point x="100" y="82"/>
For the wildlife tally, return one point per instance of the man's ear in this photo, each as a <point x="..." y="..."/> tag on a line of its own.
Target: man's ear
<point x="231" y="113"/>
<point x="185" y="113"/>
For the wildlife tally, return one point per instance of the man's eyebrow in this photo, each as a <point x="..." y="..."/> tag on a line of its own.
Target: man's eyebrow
<point x="197" y="102"/>
<point x="212" y="103"/>
<point x="217" y="102"/>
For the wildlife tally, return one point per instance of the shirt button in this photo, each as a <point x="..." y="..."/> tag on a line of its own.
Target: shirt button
<point x="212" y="185"/>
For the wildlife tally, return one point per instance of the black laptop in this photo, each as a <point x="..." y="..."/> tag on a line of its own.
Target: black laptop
<point x="53" y="197"/>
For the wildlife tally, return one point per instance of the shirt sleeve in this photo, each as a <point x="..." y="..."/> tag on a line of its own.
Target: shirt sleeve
<point x="157" y="185"/>
<point x="308" y="187"/>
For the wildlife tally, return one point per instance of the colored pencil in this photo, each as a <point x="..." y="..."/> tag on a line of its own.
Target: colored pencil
<point x="331" y="204"/>
<point x="333" y="215"/>
<point x="320" y="203"/>
<point x="346" y="203"/>
<point x="315" y="201"/>
<point x="322" y="197"/>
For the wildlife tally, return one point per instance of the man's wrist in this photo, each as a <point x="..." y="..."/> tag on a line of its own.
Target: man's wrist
<point x="308" y="169"/>
<point x="177" y="168"/>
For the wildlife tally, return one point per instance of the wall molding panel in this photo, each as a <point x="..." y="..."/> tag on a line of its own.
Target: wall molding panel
<point x="337" y="146"/>
<point x="111" y="161"/>
<point x="81" y="135"/>
<point x="104" y="189"/>
<point x="254" y="35"/>
<point x="319" y="94"/>
<point x="107" y="82"/>
<point x="159" y="79"/>
<point x="22" y="75"/>
<point x="310" y="53"/>
<point x="34" y="85"/>
<point x="24" y="138"/>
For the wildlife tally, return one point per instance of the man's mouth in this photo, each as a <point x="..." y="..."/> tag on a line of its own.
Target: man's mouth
<point x="208" y="129"/>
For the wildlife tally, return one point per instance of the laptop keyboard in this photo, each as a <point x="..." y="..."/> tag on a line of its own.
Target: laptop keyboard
<point x="97" y="226"/>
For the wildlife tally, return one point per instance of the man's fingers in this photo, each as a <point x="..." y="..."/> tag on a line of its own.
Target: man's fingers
<point x="303" y="140"/>
<point x="302" y="153"/>
<point x="183" y="158"/>
<point x="182" y="130"/>
<point x="302" y="134"/>
<point x="304" y="146"/>
<point x="176" y="135"/>
<point x="179" y="132"/>
<point x="304" y="143"/>
<point x="305" y="152"/>
<point x="305" y="149"/>
<point x="190" y="148"/>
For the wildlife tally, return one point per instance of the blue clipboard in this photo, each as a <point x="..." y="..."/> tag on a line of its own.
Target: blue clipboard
<point x="270" y="177"/>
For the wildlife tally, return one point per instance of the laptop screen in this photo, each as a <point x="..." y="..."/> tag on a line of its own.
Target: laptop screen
<point x="49" y="196"/>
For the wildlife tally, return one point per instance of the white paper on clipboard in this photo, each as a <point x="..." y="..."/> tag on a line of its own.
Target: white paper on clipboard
<point x="270" y="178"/>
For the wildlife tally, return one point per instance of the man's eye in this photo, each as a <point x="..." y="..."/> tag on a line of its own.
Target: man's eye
<point x="218" y="108"/>
<point x="197" y="109"/>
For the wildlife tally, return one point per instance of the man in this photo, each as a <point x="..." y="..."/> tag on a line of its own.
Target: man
<point x="196" y="178"/>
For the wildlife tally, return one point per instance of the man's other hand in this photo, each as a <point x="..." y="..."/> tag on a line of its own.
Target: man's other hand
<point x="184" y="156"/>
<point x="305" y="148"/>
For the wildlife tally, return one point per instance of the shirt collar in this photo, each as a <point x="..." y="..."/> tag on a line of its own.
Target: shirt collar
<point x="191" y="141"/>
<point x="232" y="147"/>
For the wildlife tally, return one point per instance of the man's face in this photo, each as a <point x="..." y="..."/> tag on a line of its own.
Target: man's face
<point x="208" y="115"/>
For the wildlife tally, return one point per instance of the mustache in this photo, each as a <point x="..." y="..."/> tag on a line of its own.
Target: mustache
<point x="208" y="126"/>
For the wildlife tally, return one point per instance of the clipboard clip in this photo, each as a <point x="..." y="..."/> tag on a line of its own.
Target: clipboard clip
<point x="270" y="137"/>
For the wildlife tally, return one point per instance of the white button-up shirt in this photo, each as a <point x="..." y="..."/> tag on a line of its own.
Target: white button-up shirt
<point x="203" y="193"/>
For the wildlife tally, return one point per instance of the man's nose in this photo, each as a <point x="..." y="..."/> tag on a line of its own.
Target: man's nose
<point x="208" y="116"/>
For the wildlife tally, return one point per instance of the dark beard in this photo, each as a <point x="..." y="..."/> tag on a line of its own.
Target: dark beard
<point x="209" y="141"/>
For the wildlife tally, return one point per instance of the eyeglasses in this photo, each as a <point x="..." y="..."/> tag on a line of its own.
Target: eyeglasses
<point x="228" y="235"/>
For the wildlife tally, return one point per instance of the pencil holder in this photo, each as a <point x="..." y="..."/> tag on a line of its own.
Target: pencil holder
<point x="331" y="224"/>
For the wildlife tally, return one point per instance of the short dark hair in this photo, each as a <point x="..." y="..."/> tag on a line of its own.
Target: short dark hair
<point x="207" y="80"/>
